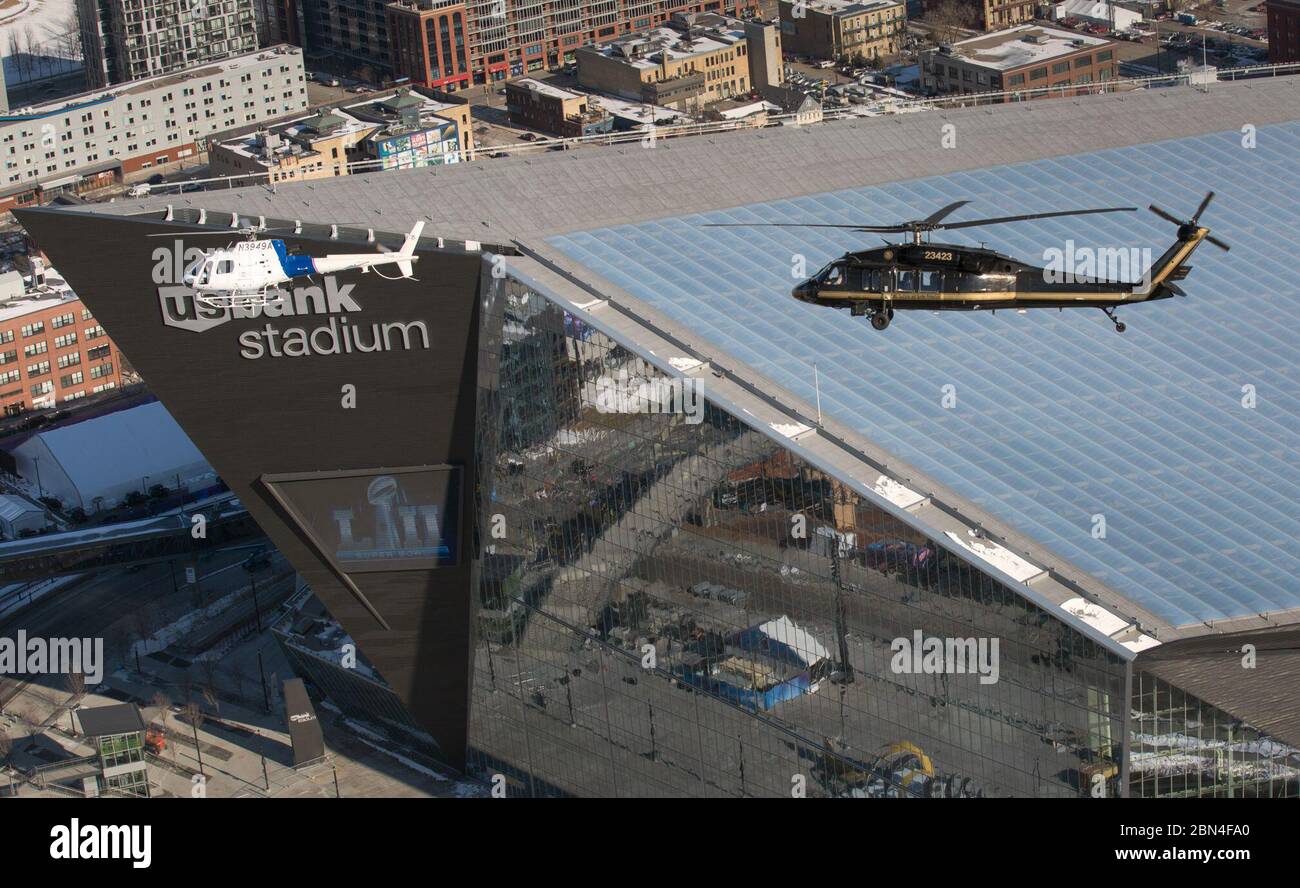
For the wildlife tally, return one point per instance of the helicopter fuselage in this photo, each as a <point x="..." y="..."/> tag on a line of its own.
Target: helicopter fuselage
<point x="250" y="268"/>
<point x="950" y="277"/>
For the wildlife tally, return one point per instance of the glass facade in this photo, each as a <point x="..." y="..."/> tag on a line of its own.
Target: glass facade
<point x="673" y="604"/>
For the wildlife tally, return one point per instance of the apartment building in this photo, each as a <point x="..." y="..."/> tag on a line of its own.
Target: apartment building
<point x="687" y="64"/>
<point x="52" y="349"/>
<point x="94" y="140"/>
<point x="1028" y="57"/>
<point x="843" y="29"/>
<point x="499" y="38"/>
<point x="124" y="40"/>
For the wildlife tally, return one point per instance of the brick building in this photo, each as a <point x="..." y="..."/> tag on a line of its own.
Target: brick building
<point x="52" y="349"/>
<point x="1028" y="57"/>
<point x="455" y="43"/>
<point x="1283" y="30"/>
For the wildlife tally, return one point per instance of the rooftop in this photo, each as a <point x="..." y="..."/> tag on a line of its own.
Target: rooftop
<point x="1059" y="418"/>
<point x="851" y="7"/>
<point x="53" y="293"/>
<point x="1023" y="45"/>
<point x="101" y="721"/>
<point x="330" y="123"/>
<point x="234" y="65"/>
<point x="544" y="88"/>
<point x="650" y="49"/>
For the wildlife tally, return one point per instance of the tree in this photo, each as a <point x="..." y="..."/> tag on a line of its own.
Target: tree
<point x="194" y="715"/>
<point x="160" y="704"/>
<point x="76" y="685"/>
<point x="158" y="492"/>
<point x="135" y="498"/>
<point x="946" y="18"/>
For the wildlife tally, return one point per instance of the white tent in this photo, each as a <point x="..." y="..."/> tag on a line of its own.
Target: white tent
<point x="17" y="515"/>
<point x="789" y="633"/>
<point x="111" y="455"/>
<point x="1098" y="11"/>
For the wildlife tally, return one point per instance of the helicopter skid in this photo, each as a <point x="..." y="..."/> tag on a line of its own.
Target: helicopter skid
<point x="240" y="300"/>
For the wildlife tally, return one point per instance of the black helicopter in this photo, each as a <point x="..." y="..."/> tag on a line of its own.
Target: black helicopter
<point x="952" y="277"/>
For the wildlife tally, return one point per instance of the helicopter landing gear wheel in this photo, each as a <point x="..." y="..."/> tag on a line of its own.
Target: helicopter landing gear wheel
<point x="1119" y="325"/>
<point x="880" y="318"/>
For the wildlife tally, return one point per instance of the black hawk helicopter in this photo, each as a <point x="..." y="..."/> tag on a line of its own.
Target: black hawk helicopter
<point x="952" y="277"/>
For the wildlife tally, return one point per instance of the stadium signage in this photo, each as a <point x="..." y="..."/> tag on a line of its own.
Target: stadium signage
<point x="336" y="336"/>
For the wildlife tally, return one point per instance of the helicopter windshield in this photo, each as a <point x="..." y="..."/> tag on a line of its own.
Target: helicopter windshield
<point x="830" y="276"/>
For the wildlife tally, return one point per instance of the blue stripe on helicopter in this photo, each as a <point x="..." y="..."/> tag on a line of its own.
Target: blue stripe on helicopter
<point x="293" y="264"/>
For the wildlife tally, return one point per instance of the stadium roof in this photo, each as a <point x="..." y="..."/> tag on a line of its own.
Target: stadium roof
<point x="1058" y="419"/>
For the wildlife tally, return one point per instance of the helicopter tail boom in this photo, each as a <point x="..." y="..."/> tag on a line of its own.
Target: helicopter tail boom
<point x="408" y="250"/>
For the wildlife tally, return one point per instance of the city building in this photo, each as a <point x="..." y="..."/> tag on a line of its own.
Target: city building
<point x="560" y="112"/>
<point x="52" y="350"/>
<point x="614" y="515"/>
<point x="1283" y="30"/>
<point x="686" y="64"/>
<point x="993" y="15"/>
<point x="1028" y="57"/>
<point x="124" y="40"/>
<point x="97" y="139"/>
<point x="118" y="733"/>
<point x="404" y="128"/>
<point x="450" y="43"/>
<point x="843" y="30"/>
<point x="427" y="42"/>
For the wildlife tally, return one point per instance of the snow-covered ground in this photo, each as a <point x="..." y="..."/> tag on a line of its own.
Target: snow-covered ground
<point x="38" y="39"/>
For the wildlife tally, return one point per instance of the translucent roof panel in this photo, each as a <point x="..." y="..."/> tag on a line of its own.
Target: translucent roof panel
<point x="1057" y="418"/>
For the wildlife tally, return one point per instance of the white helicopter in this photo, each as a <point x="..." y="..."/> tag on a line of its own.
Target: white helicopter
<point x="248" y="273"/>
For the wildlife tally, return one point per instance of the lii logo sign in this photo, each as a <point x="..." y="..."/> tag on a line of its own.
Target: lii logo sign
<point x="182" y="310"/>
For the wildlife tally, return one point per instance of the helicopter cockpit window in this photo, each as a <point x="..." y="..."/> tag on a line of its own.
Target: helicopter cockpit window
<point x="225" y="266"/>
<point x="831" y="276"/>
<point x="205" y="273"/>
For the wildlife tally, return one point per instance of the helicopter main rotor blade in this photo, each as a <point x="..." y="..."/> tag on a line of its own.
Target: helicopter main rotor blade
<point x="1218" y="243"/>
<point x="788" y="225"/>
<point x="1165" y="214"/>
<point x="1201" y="209"/>
<point x="940" y="215"/>
<point x="998" y="220"/>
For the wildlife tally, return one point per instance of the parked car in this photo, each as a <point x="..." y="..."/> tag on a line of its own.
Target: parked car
<point x="528" y="137"/>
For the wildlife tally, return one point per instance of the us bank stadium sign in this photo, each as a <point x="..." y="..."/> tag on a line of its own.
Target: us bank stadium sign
<point x="308" y="320"/>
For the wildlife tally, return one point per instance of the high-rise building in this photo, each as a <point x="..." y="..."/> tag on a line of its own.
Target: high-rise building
<point x="126" y="40"/>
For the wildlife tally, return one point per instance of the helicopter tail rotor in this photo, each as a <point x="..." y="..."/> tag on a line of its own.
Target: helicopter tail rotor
<point x="1187" y="227"/>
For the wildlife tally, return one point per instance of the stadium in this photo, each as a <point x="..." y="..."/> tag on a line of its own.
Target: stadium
<point x="634" y="599"/>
